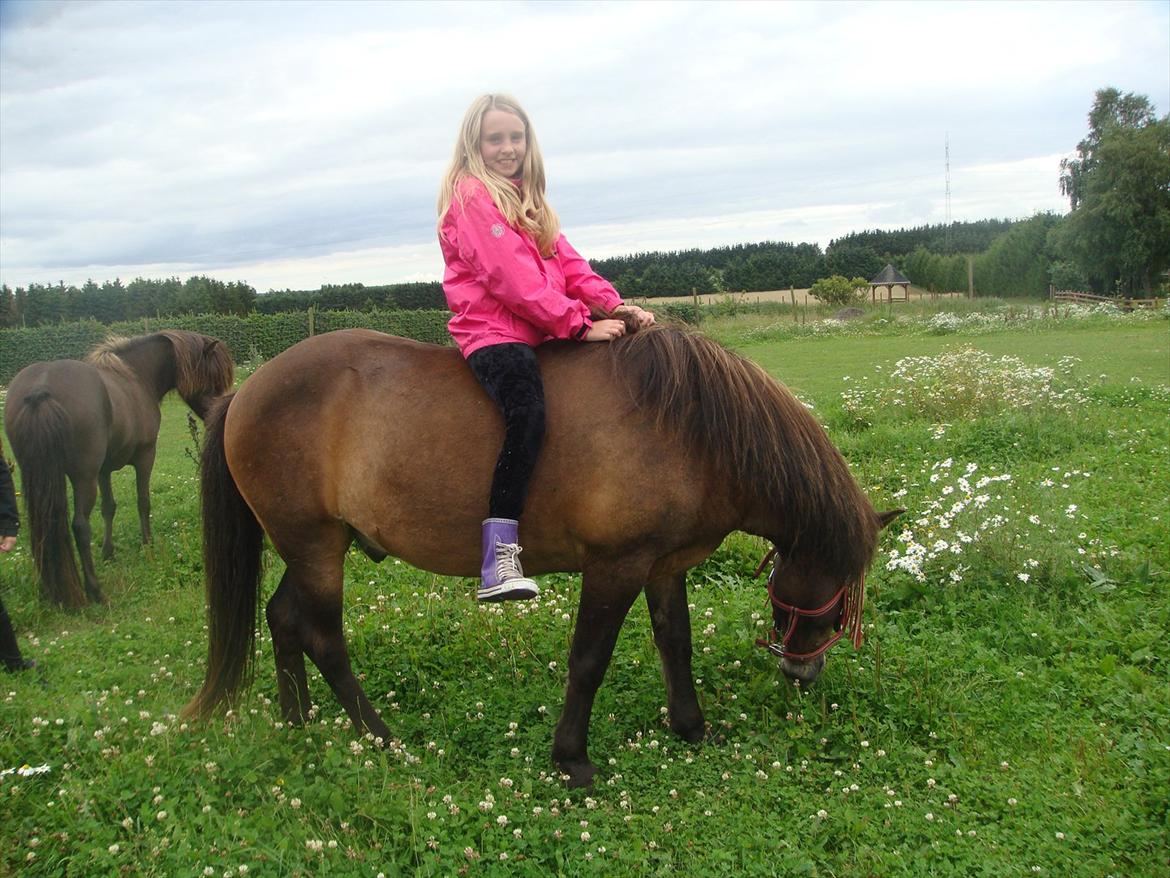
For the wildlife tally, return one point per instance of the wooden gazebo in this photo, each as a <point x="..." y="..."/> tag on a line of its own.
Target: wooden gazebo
<point x="896" y="285"/>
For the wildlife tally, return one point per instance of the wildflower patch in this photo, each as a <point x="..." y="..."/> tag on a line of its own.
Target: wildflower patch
<point x="963" y="383"/>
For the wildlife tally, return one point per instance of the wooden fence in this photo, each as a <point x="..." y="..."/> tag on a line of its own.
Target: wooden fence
<point x="1093" y="299"/>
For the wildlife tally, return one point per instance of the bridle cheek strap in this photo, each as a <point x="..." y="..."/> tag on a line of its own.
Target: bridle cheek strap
<point x="851" y="599"/>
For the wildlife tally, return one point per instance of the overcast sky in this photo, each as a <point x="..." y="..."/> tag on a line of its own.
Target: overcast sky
<point x="294" y="144"/>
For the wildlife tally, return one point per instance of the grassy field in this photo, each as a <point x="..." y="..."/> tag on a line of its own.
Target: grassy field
<point x="1007" y="715"/>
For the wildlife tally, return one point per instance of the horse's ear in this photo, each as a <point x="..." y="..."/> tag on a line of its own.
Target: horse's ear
<point x="889" y="515"/>
<point x="209" y="345"/>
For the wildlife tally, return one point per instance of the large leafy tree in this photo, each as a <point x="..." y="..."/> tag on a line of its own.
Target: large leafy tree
<point x="1118" y="185"/>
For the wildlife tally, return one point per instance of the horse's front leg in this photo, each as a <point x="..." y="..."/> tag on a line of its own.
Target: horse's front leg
<point x="109" y="507"/>
<point x="143" y="466"/>
<point x="671" y="619"/>
<point x="606" y="598"/>
<point x="84" y="498"/>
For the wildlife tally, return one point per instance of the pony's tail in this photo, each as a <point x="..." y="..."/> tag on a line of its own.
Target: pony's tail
<point x="232" y="543"/>
<point x="39" y="431"/>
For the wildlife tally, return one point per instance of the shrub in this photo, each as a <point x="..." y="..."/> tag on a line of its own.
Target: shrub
<point x="838" y="290"/>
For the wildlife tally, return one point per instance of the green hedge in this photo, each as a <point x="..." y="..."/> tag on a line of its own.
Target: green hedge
<point x="263" y="335"/>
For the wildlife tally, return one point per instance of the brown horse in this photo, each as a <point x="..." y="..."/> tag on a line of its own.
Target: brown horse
<point x="87" y="420"/>
<point x="658" y="445"/>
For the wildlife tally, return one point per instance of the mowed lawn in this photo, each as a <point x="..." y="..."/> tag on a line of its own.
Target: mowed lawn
<point x="1007" y="715"/>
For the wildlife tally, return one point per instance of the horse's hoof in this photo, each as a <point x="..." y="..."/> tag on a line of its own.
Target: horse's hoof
<point x="691" y="732"/>
<point x="580" y="774"/>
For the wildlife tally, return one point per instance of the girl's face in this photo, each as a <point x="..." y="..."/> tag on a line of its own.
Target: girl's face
<point x="502" y="142"/>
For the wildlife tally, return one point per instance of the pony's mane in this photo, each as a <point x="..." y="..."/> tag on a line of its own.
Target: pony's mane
<point x="758" y="436"/>
<point x="202" y="364"/>
<point x="107" y="356"/>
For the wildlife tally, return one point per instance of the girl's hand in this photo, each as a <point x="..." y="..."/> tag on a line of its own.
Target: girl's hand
<point x="7" y="544"/>
<point x="644" y="318"/>
<point x="605" y="330"/>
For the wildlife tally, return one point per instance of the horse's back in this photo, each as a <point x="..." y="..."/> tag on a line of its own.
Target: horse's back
<point x="396" y="440"/>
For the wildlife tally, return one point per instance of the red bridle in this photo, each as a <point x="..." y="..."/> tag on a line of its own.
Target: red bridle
<point x="847" y="601"/>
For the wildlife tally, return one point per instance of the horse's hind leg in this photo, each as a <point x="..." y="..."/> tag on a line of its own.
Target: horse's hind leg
<point x="284" y="621"/>
<point x="84" y="498"/>
<point x="318" y="595"/>
<point x="606" y="598"/>
<point x="671" y="619"/>
<point x="109" y="507"/>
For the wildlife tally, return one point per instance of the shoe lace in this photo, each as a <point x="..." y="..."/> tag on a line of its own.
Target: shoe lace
<point x="508" y="561"/>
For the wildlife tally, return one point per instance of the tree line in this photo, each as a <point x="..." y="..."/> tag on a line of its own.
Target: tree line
<point x="772" y="265"/>
<point x="1115" y="241"/>
<point x="766" y="265"/>
<point x="113" y="301"/>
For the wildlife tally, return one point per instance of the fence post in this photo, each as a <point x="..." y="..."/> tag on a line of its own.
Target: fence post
<point x="792" y="294"/>
<point x="312" y="320"/>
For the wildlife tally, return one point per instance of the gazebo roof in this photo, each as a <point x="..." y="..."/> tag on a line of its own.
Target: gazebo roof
<point x="890" y="275"/>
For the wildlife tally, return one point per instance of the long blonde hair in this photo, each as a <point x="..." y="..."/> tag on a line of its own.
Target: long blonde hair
<point x="523" y="206"/>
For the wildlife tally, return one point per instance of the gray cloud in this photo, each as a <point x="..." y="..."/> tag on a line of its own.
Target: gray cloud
<point x="302" y="143"/>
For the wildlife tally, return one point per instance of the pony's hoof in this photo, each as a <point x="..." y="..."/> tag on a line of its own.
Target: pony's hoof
<point x="580" y="774"/>
<point x="693" y="731"/>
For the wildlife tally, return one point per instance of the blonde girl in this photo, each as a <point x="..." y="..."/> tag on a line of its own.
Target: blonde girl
<point x="512" y="282"/>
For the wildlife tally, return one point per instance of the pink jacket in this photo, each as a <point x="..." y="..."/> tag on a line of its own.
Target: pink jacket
<point x="500" y="289"/>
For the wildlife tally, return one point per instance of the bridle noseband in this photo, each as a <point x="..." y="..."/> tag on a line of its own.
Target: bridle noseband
<point x="847" y="601"/>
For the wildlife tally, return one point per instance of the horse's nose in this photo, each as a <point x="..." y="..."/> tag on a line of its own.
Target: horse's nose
<point x="805" y="673"/>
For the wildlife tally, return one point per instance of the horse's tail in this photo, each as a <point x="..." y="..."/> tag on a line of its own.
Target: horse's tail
<point x="39" y="430"/>
<point x="232" y="543"/>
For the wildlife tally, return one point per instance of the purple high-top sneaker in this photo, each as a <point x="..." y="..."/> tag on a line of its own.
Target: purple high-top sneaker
<point x="503" y="578"/>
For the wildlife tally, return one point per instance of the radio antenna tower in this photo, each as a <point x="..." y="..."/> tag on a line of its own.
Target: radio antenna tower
<point x="947" y="230"/>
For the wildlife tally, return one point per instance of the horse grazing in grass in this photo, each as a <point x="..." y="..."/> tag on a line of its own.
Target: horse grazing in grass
<point x="84" y="421"/>
<point x="658" y="445"/>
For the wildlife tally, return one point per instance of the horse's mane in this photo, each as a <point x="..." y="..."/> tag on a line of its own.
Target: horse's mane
<point x="202" y="364"/>
<point x="757" y="435"/>
<point x="107" y="356"/>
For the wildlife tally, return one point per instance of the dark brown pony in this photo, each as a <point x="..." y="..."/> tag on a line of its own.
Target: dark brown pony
<point x="87" y="420"/>
<point x="658" y="445"/>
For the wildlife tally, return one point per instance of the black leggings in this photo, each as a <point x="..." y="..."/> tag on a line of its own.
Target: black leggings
<point x="9" y="651"/>
<point x="511" y="376"/>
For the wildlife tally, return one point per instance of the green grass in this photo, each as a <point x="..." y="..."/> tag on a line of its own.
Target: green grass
<point x="988" y="726"/>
